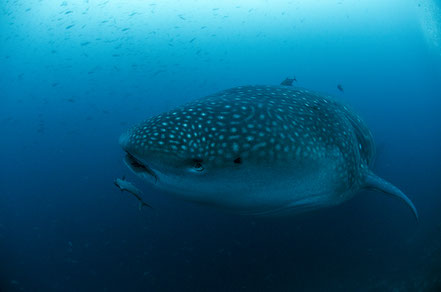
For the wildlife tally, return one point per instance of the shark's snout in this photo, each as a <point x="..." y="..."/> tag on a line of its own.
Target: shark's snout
<point x="131" y="159"/>
<point x="130" y="144"/>
<point x="124" y="140"/>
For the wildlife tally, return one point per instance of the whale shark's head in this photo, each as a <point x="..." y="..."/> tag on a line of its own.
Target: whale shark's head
<point x="223" y="148"/>
<point x="202" y="151"/>
<point x="163" y="149"/>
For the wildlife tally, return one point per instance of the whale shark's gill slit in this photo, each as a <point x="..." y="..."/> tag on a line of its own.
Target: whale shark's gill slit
<point x="138" y="167"/>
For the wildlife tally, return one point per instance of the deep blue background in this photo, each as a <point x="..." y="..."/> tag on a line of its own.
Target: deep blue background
<point x="75" y="75"/>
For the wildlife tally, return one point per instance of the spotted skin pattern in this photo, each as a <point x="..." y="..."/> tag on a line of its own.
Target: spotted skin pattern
<point x="268" y="123"/>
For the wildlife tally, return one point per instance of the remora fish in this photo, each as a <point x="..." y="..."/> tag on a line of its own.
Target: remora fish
<point x="127" y="186"/>
<point x="288" y="81"/>
<point x="258" y="150"/>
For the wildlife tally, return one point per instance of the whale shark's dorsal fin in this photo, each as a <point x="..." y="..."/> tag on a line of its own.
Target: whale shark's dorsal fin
<point x="374" y="182"/>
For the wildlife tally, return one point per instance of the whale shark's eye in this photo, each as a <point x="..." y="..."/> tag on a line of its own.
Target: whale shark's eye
<point x="197" y="164"/>
<point x="238" y="160"/>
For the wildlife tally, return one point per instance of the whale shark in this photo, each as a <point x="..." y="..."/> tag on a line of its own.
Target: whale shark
<point x="258" y="150"/>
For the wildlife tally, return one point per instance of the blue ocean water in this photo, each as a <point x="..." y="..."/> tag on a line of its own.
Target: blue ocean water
<point x="74" y="75"/>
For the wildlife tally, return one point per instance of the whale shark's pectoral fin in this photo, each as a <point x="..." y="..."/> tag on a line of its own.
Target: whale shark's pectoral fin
<point x="374" y="182"/>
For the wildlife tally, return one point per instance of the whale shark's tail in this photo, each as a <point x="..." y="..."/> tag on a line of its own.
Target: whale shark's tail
<point x="373" y="182"/>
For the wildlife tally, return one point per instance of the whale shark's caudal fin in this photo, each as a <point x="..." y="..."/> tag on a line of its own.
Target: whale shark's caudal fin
<point x="374" y="182"/>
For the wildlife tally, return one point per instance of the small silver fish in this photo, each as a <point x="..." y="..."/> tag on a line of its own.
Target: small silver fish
<point x="127" y="186"/>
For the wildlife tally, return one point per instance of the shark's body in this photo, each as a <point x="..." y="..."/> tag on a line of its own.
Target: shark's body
<point x="258" y="150"/>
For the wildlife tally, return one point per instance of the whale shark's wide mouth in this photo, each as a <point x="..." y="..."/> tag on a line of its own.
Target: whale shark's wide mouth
<point x="139" y="168"/>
